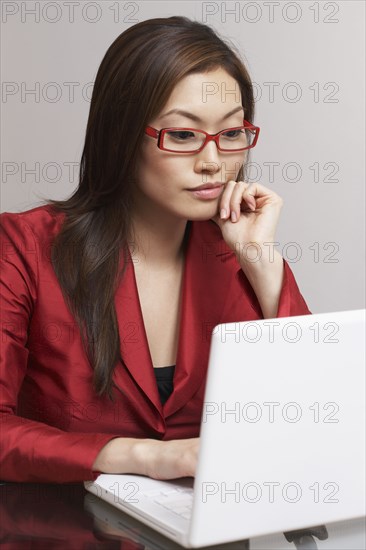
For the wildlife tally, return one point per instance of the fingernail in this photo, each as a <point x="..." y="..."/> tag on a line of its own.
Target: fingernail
<point x="233" y="216"/>
<point x="223" y="213"/>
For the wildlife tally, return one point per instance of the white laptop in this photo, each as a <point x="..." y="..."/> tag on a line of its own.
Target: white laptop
<point x="282" y="440"/>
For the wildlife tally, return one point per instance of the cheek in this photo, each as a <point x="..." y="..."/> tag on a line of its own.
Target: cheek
<point x="232" y="171"/>
<point x="164" y="172"/>
<point x="231" y="167"/>
<point x="160" y="180"/>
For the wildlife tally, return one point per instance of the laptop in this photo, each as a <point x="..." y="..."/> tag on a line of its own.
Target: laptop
<point x="282" y="438"/>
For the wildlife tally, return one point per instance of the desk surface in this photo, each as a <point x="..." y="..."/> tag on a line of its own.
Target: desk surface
<point x="54" y="517"/>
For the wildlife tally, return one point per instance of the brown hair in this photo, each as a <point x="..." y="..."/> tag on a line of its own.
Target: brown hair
<point x="133" y="83"/>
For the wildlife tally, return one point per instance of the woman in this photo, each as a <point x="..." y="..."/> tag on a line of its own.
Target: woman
<point x="120" y="285"/>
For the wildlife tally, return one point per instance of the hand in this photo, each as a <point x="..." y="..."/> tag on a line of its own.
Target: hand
<point x="256" y="209"/>
<point x="171" y="459"/>
<point x="148" y="457"/>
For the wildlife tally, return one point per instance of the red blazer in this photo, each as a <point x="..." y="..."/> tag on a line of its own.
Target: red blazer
<point x="52" y="424"/>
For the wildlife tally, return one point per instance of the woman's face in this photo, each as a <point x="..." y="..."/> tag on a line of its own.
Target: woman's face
<point x="164" y="179"/>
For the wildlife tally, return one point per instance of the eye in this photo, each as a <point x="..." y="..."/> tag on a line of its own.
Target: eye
<point x="181" y="135"/>
<point x="232" y="133"/>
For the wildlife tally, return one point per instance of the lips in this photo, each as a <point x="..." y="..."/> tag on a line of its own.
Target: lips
<point x="209" y="193"/>
<point x="207" y="186"/>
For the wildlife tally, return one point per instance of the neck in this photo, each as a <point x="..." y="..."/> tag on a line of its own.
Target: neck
<point x="157" y="240"/>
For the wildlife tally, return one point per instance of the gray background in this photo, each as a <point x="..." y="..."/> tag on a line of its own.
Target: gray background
<point x="307" y="61"/>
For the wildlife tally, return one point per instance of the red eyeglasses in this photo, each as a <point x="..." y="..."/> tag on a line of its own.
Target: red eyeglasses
<point x="191" y="140"/>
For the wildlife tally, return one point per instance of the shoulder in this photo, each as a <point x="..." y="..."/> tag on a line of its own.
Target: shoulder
<point x="42" y="222"/>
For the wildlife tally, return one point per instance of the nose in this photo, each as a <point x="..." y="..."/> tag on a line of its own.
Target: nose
<point x="209" y="158"/>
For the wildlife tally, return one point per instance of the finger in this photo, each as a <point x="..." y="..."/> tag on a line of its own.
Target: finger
<point x="236" y="199"/>
<point x="239" y="196"/>
<point x="257" y="190"/>
<point x="249" y="199"/>
<point x="225" y="199"/>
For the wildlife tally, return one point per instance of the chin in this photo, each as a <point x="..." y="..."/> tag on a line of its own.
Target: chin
<point x="199" y="211"/>
<point x="200" y="216"/>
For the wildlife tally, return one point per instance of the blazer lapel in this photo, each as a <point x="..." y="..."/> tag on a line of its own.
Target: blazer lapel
<point x="134" y="348"/>
<point x="205" y="287"/>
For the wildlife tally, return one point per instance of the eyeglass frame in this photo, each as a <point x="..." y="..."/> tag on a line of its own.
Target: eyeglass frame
<point x="159" y="134"/>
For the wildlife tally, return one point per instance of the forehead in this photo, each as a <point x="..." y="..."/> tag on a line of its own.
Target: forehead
<point x="214" y="89"/>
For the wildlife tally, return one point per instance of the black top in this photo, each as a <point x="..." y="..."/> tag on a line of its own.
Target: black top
<point x="164" y="379"/>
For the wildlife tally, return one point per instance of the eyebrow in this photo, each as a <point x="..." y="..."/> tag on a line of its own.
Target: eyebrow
<point x="196" y="118"/>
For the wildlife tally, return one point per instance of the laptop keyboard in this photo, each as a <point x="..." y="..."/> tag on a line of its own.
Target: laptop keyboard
<point x="177" y="500"/>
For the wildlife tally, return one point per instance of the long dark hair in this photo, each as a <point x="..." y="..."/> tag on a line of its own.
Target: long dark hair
<point x="133" y="83"/>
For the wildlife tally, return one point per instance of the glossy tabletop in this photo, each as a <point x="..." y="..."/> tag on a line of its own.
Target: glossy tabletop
<point x="66" y="516"/>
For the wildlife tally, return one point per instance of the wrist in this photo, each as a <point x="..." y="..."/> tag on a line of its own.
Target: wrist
<point x="145" y="453"/>
<point x="266" y="280"/>
<point x="124" y="455"/>
<point x="255" y="256"/>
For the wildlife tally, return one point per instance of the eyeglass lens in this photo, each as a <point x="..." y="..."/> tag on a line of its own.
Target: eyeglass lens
<point x="191" y="140"/>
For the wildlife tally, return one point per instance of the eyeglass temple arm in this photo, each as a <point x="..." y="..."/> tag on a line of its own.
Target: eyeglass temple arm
<point x="151" y="132"/>
<point x="250" y="125"/>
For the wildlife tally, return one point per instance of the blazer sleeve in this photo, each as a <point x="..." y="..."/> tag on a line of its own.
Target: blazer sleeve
<point x="291" y="302"/>
<point x="31" y="451"/>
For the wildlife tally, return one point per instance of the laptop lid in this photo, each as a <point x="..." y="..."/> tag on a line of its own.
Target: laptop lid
<point x="283" y="427"/>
